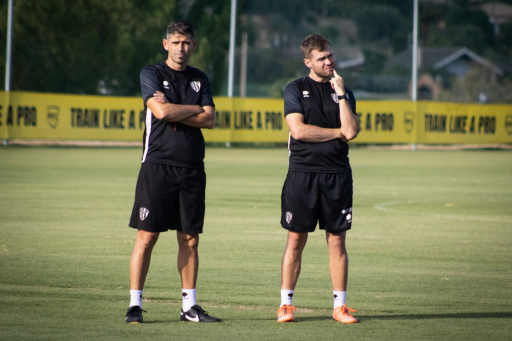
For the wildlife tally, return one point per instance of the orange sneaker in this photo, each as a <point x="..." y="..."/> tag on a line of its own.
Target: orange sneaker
<point x="285" y="313"/>
<point x="341" y="314"/>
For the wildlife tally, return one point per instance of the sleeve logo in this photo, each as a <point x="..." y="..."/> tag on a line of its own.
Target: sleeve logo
<point x="196" y="85"/>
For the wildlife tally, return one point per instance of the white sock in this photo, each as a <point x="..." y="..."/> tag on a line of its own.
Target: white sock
<point x="136" y="298"/>
<point x="286" y="297"/>
<point x="189" y="298"/>
<point x="340" y="298"/>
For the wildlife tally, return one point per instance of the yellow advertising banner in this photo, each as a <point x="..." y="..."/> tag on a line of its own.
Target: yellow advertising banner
<point x="386" y="122"/>
<point x="248" y="120"/>
<point x="458" y="123"/>
<point x="27" y="115"/>
<point x="72" y="117"/>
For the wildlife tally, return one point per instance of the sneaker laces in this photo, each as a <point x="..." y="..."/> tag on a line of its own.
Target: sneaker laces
<point x="200" y="310"/>
<point x="287" y="307"/>
<point x="133" y="308"/>
<point x="345" y="311"/>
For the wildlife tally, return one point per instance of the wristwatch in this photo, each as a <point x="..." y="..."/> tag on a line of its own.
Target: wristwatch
<point x="340" y="97"/>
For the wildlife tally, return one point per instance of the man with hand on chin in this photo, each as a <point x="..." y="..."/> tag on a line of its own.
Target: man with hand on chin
<point x="320" y="113"/>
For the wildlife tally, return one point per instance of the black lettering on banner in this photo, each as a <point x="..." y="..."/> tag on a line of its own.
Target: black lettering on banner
<point x="458" y="124"/>
<point x="142" y="118"/>
<point x="359" y="118"/>
<point x="243" y="120"/>
<point x="223" y="119"/>
<point x="28" y="114"/>
<point x="508" y="124"/>
<point x="275" y="120"/>
<point x="487" y="124"/>
<point x="10" y="119"/>
<point x="85" y="118"/>
<point x="435" y="123"/>
<point x="472" y="125"/>
<point x="258" y="121"/>
<point x="368" y="125"/>
<point x="113" y="119"/>
<point x="131" y="125"/>
<point x="386" y="122"/>
<point x="1" y="107"/>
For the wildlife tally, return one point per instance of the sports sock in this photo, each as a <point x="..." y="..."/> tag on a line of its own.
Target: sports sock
<point x="286" y="297"/>
<point x="340" y="298"/>
<point x="189" y="298"/>
<point x="136" y="298"/>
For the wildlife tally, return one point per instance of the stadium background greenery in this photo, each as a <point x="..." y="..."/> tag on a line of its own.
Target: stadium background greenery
<point x="100" y="47"/>
<point x="429" y="251"/>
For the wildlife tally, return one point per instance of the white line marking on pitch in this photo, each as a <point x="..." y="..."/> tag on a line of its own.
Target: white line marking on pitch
<point x="387" y="207"/>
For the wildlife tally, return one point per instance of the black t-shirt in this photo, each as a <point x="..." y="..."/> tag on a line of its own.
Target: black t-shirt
<point x="173" y="143"/>
<point x="318" y="103"/>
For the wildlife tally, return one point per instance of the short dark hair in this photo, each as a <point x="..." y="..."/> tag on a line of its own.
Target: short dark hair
<point x="181" y="27"/>
<point x="314" y="42"/>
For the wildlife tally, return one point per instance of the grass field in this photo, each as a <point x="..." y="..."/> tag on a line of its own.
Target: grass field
<point x="430" y="249"/>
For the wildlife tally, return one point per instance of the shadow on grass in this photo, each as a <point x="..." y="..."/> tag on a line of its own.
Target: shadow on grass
<point x="363" y="318"/>
<point x="437" y="316"/>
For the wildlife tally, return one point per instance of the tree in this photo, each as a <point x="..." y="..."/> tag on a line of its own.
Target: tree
<point x="86" y="46"/>
<point x="382" y="23"/>
<point x="211" y="19"/>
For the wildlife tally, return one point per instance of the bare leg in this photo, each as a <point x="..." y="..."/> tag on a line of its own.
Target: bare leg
<point x="141" y="257"/>
<point x="292" y="259"/>
<point x="338" y="260"/>
<point x="188" y="259"/>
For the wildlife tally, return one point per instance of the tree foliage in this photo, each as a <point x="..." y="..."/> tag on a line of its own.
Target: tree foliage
<point x="386" y="24"/>
<point x="100" y="47"/>
<point x="211" y="20"/>
<point x="86" y="46"/>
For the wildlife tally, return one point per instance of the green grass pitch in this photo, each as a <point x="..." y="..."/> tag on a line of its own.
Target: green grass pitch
<point x="430" y="249"/>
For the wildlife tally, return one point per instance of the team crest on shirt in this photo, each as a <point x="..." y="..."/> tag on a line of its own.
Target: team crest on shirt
<point x="335" y="97"/>
<point x="196" y="85"/>
<point x="143" y="213"/>
<point x="289" y="217"/>
<point x="305" y="93"/>
<point x="166" y="85"/>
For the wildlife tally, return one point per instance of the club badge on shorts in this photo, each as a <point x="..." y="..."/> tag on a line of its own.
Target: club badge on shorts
<point x="196" y="85"/>
<point x="289" y="217"/>
<point x="143" y="213"/>
<point x="348" y="214"/>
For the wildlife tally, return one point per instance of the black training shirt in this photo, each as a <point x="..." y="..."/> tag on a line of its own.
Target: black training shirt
<point x="173" y="143"/>
<point x="318" y="103"/>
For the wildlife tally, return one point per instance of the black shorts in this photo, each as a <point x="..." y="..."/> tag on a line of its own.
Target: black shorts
<point x="169" y="198"/>
<point x="311" y="198"/>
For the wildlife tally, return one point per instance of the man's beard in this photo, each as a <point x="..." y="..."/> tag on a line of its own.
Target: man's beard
<point x="323" y="73"/>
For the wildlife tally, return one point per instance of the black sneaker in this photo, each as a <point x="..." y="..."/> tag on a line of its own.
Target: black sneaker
<point x="197" y="314"/>
<point x="134" y="314"/>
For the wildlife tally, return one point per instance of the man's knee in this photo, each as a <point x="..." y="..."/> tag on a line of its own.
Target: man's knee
<point x="188" y="241"/>
<point x="336" y="240"/>
<point x="146" y="240"/>
<point x="297" y="240"/>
